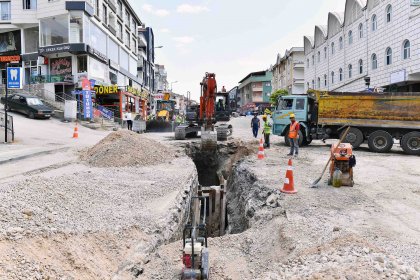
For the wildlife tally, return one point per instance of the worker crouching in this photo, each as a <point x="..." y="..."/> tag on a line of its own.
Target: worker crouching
<point x="266" y="132"/>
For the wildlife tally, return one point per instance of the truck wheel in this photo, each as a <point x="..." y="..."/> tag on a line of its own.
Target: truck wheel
<point x="411" y="143"/>
<point x="380" y="141"/>
<point x="354" y="137"/>
<point x="179" y="133"/>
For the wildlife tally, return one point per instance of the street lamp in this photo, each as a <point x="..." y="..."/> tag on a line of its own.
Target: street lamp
<point x="172" y="84"/>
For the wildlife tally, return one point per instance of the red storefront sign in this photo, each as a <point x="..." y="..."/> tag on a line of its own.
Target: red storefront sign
<point x="9" y="58"/>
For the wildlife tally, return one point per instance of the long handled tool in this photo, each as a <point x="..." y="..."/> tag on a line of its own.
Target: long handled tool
<point x="329" y="160"/>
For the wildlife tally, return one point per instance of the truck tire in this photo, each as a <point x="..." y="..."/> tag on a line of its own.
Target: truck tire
<point x="354" y="137"/>
<point x="411" y="143"/>
<point x="193" y="134"/>
<point x="380" y="141"/>
<point x="180" y="133"/>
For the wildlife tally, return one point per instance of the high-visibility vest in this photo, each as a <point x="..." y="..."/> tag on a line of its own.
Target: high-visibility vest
<point x="293" y="133"/>
<point x="267" y="128"/>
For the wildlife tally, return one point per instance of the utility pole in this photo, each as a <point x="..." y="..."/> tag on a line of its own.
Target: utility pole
<point x="5" y="104"/>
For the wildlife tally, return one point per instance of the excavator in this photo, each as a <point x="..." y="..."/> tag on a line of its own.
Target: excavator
<point x="214" y="108"/>
<point x="165" y="110"/>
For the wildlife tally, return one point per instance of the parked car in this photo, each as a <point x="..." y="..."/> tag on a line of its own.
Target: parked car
<point x="29" y="105"/>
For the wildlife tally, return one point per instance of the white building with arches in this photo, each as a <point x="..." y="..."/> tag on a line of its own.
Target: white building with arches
<point x="376" y="39"/>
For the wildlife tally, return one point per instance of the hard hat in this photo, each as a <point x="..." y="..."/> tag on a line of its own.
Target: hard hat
<point x="292" y="116"/>
<point x="265" y="116"/>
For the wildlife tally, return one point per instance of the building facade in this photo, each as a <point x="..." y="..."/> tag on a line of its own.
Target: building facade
<point x="255" y="90"/>
<point x="146" y="63"/>
<point x="288" y="71"/>
<point x="161" y="78"/>
<point x="372" y="40"/>
<point x="60" y="42"/>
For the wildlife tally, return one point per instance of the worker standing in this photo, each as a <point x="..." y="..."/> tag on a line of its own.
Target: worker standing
<point x="129" y="118"/>
<point x="255" y="125"/>
<point x="266" y="132"/>
<point x="294" y="136"/>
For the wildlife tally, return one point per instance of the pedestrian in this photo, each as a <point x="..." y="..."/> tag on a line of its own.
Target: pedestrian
<point x="129" y="118"/>
<point x="294" y="136"/>
<point x="255" y="125"/>
<point x="266" y="132"/>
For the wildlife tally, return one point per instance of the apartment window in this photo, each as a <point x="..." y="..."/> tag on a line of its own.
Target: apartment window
<point x="31" y="39"/>
<point x="388" y="56"/>
<point x="127" y="18"/>
<point x="5" y="11"/>
<point x="319" y="56"/>
<point x="133" y="25"/>
<point x="340" y="74"/>
<point x="332" y="77"/>
<point x="307" y="85"/>
<point x="374" y="62"/>
<point x="350" y="37"/>
<point x="119" y="30"/>
<point x="133" y="45"/>
<point x="319" y="83"/>
<point x="313" y="84"/>
<point x="406" y="49"/>
<point x="82" y="64"/>
<point x="341" y="42"/>
<point x="332" y="48"/>
<point x="119" y="9"/>
<point x="388" y="13"/>
<point x="350" y="71"/>
<point x="361" y="31"/>
<point x="104" y="14"/>
<point x="360" y="66"/>
<point x="325" y="81"/>
<point x="76" y="27"/>
<point x="97" y="8"/>
<point x="127" y="38"/>
<point x="374" y="23"/>
<point x="313" y="60"/>
<point x="54" y="30"/>
<point x="29" y="4"/>
<point x="307" y="62"/>
<point x="325" y="52"/>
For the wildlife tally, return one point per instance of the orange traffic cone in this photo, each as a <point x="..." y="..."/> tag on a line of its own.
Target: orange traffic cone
<point x="76" y="132"/>
<point x="261" y="150"/>
<point x="289" y="184"/>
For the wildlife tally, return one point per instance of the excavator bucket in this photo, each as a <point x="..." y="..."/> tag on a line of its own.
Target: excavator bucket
<point x="208" y="140"/>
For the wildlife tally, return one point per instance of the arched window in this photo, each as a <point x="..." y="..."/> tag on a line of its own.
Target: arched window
<point x="332" y="48"/>
<point x="341" y="42"/>
<point x="406" y="49"/>
<point x="307" y="85"/>
<point x="374" y="23"/>
<point x="388" y="13"/>
<point x="307" y="62"/>
<point x="361" y="31"/>
<point x="319" y="56"/>
<point x="350" y="71"/>
<point x="332" y="77"/>
<point x="319" y="82"/>
<point x="313" y="60"/>
<point x="350" y="37"/>
<point x="325" y="80"/>
<point x="374" y="62"/>
<point x="388" y="56"/>
<point x="313" y="84"/>
<point x="325" y="52"/>
<point x="360" y="66"/>
<point x="341" y="74"/>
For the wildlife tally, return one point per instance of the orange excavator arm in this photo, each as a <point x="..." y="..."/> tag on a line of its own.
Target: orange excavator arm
<point x="208" y="99"/>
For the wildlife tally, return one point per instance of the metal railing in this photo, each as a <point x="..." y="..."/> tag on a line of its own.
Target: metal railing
<point x="10" y="127"/>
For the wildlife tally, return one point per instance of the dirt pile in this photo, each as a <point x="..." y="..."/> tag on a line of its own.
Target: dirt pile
<point x="125" y="148"/>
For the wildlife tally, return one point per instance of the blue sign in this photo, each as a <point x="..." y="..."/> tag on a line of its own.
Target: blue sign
<point x="14" y="77"/>
<point x="107" y="114"/>
<point x="87" y="104"/>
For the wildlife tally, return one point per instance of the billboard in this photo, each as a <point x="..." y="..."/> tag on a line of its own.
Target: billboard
<point x="10" y="42"/>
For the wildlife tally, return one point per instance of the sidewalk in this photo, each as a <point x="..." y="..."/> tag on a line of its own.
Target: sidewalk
<point x="10" y="152"/>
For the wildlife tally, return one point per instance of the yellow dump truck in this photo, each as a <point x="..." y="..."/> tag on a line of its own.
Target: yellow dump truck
<point x="378" y="118"/>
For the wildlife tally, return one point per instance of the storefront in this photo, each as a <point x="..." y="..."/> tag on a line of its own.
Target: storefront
<point x="10" y="50"/>
<point x="122" y="99"/>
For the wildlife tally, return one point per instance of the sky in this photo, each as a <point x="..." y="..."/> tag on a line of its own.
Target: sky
<point x="228" y="37"/>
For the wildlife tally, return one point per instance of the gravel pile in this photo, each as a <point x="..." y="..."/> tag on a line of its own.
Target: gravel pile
<point x="125" y="148"/>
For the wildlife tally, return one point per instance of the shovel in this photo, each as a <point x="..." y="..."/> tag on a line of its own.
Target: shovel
<point x="329" y="160"/>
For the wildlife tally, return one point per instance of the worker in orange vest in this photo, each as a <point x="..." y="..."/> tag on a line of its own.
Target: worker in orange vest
<point x="294" y="136"/>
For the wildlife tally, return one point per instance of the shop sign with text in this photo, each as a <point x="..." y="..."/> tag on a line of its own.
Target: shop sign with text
<point x="9" y="58"/>
<point x="105" y="89"/>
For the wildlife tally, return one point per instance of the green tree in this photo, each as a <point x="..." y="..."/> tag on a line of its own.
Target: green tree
<point x="275" y="95"/>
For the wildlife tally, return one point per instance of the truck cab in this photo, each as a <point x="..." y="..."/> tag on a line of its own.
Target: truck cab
<point x="303" y="106"/>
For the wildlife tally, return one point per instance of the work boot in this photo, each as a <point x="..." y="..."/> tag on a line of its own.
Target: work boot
<point x="289" y="155"/>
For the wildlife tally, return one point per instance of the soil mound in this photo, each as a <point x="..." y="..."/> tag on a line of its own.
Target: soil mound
<point x="126" y="148"/>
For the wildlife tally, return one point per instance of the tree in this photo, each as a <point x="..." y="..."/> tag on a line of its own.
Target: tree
<point x="275" y="95"/>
